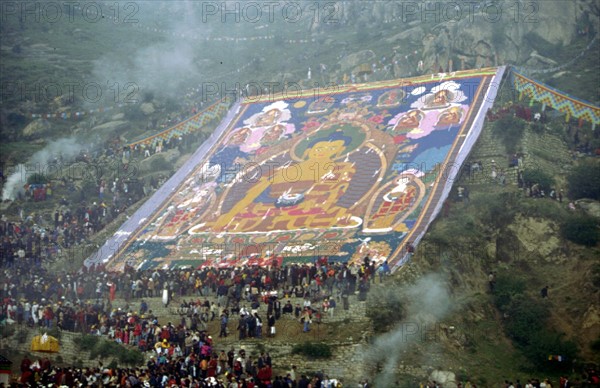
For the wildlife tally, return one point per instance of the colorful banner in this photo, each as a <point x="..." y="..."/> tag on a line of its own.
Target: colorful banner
<point x="192" y="124"/>
<point x="360" y="171"/>
<point x="562" y="102"/>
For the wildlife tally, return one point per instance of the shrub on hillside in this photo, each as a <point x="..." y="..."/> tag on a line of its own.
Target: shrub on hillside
<point x="584" y="180"/>
<point x="509" y="130"/>
<point x="99" y="347"/>
<point x="385" y="308"/>
<point x="540" y="177"/>
<point x="595" y="345"/>
<point x="496" y="210"/>
<point x="313" y="350"/>
<point x="134" y="113"/>
<point x="159" y="163"/>
<point x="131" y="357"/>
<point x="86" y="341"/>
<point x="89" y="189"/>
<point x="527" y="325"/>
<point x="37" y="178"/>
<point x="596" y="277"/>
<point x="508" y="286"/>
<point x="21" y="336"/>
<point x="526" y="317"/>
<point x="7" y="330"/>
<point x="581" y="229"/>
<point x="545" y="343"/>
<point x="106" y="349"/>
<point x="113" y="364"/>
<point x="552" y="210"/>
<point x="538" y="127"/>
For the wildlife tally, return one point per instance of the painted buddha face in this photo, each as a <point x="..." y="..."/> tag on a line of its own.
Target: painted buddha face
<point x="411" y="119"/>
<point x="240" y="136"/>
<point x="268" y="118"/>
<point x="273" y="134"/>
<point x="326" y="149"/>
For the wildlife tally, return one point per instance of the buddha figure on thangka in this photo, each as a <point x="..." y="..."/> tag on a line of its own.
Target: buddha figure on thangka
<point x="391" y="98"/>
<point x="318" y="191"/>
<point x="393" y="202"/>
<point x="358" y="166"/>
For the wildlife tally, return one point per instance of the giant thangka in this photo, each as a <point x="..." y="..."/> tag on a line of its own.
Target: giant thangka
<point x="362" y="169"/>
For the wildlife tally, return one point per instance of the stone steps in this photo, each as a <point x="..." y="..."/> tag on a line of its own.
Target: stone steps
<point x="170" y="314"/>
<point x="543" y="151"/>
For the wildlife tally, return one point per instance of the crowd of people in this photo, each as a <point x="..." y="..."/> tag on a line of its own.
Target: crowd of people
<point x="79" y="301"/>
<point x="37" y="237"/>
<point x="258" y="296"/>
<point x="221" y="369"/>
<point x="41" y="236"/>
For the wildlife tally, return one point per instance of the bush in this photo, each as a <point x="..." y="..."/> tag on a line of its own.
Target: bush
<point x="131" y="357"/>
<point x="526" y="317"/>
<point x="101" y="348"/>
<point x="596" y="277"/>
<point x="526" y="325"/>
<point x="159" y="163"/>
<point x="595" y="345"/>
<point x="7" y="330"/>
<point x="37" y="178"/>
<point x="22" y="336"/>
<point x="509" y="130"/>
<point x="148" y="96"/>
<point x="86" y="341"/>
<point x="313" y="350"/>
<point x="538" y="127"/>
<point x="113" y="364"/>
<point x="545" y="343"/>
<point x="508" y="286"/>
<point x="497" y="210"/>
<point x="584" y="180"/>
<point x="134" y="113"/>
<point x="106" y="349"/>
<point x="581" y="229"/>
<point x="545" y="181"/>
<point x="89" y="189"/>
<point x="552" y="210"/>
<point x="385" y="308"/>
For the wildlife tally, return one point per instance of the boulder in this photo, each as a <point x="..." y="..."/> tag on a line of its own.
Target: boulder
<point x="414" y="34"/>
<point x="589" y="206"/>
<point x="37" y="128"/>
<point x="118" y="116"/>
<point x="446" y="379"/>
<point x="111" y="126"/>
<point x="147" y="108"/>
<point x="538" y="238"/>
<point x="351" y="61"/>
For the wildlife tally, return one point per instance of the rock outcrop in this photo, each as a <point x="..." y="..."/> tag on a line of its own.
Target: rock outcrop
<point x="37" y="128"/>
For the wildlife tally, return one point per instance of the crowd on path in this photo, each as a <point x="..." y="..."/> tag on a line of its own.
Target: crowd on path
<point x="231" y="369"/>
<point x="183" y="351"/>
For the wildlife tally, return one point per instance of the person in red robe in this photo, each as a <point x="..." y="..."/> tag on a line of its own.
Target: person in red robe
<point x="112" y="290"/>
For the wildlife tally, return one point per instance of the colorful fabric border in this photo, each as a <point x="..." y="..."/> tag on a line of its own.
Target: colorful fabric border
<point x="560" y="101"/>
<point x="192" y="124"/>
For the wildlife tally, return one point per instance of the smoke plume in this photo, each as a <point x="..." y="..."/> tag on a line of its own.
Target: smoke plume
<point x="45" y="161"/>
<point x="426" y="302"/>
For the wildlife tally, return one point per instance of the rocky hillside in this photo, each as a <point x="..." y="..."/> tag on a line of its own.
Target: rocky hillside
<point x="489" y="32"/>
